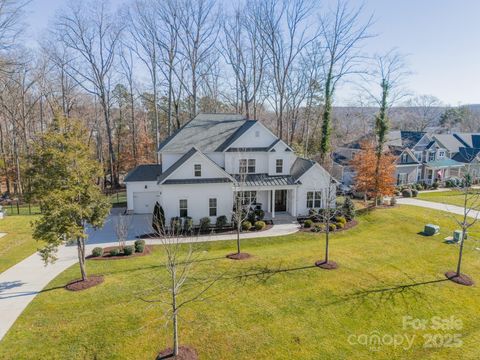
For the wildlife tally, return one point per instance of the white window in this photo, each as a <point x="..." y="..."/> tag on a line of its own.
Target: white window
<point x="402" y="178"/>
<point x="279" y="166"/>
<point x="314" y="199"/>
<point x="418" y="155"/>
<point x="431" y="156"/>
<point x="183" y="208"/>
<point x="251" y="166"/>
<point x="242" y="168"/>
<point x="441" y="153"/>
<point x="212" y="207"/>
<point x="247" y="197"/>
<point x="404" y="158"/>
<point x="197" y="170"/>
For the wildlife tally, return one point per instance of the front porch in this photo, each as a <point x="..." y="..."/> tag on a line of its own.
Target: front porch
<point x="274" y="201"/>
<point x="441" y="170"/>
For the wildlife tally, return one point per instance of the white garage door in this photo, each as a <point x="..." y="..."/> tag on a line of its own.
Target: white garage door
<point x="144" y="202"/>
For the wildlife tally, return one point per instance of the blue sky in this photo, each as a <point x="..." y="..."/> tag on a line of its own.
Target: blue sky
<point x="440" y="37"/>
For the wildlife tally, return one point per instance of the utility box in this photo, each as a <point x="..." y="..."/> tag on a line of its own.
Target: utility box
<point x="457" y="235"/>
<point x="431" y="229"/>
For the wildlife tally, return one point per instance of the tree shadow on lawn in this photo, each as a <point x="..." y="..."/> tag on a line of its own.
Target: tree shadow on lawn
<point x="408" y="294"/>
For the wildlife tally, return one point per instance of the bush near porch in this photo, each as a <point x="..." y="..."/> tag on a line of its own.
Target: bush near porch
<point x="387" y="271"/>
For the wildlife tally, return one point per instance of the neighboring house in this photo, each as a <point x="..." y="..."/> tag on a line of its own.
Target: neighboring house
<point x="421" y="157"/>
<point x="214" y="157"/>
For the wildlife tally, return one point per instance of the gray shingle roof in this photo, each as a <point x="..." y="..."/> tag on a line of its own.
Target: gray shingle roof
<point x="300" y="167"/>
<point x="146" y="172"/>
<point x="208" y="133"/>
<point x="466" y="155"/>
<point x="177" y="164"/>
<point x="266" y="180"/>
<point x="404" y="138"/>
<point x="451" y="142"/>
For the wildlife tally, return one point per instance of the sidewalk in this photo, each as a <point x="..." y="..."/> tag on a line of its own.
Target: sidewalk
<point x="437" y="206"/>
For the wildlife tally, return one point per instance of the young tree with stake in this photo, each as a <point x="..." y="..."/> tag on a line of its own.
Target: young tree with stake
<point x="469" y="217"/>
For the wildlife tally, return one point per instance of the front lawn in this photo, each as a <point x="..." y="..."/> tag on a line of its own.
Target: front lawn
<point x="295" y="311"/>
<point x="446" y="197"/>
<point x="18" y="243"/>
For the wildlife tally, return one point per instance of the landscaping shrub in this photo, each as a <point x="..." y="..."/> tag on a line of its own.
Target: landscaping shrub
<point x="308" y="223"/>
<point x="260" y="214"/>
<point x="259" y="225"/>
<point x="221" y="222"/>
<point x="419" y="187"/>
<point x="128" y="250"/>
<point x="407" y="193"/>
<point x="340" y="225"/>
<point x="435" y="185"/>
<point x="246" y="225"/>
<point x="115" y="252"/>
<point x="188" y="225"/>
<point x="397" y="193"/>
<point x="205" y="224"/>
<point x="98" y="251"/>
<point x="393" y="201"/>
<point x="341" y="219"/>
<point x="251" y="217"/>
<point x="414" y="192"/>
<point x="176" y="225"/>
<point x="332" y="227"/>
<point x="139" y="246"/>
<point x="348" y="209"/>
<point x="158" y="220"/>
<point x="312" y="212"/>
<point x="318" y="228"/>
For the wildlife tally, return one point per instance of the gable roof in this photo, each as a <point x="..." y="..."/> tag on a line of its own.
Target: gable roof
<point x="145" y="172"/>
<point x="451" y="142"/>
<point x="300" y="167"/>
<point x="404" y="138"/>
<point x="207" y="132"/>
<point x="466" y="155"/>
<point x="190" y="153"/>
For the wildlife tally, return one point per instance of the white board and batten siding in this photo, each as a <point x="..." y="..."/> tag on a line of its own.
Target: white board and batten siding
<point x="315" y="179"/>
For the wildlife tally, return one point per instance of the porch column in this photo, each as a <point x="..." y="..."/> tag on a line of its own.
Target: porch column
<point x="273" y="204"/>
<point x="269" y="201"/>
<point x="294" y="202"/>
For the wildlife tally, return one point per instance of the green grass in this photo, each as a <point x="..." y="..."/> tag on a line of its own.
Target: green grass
<point x="119" y="199"/>
<point x="18" y="243"/>
<point x="302" y="313"/>
<point x="446" y="197"/>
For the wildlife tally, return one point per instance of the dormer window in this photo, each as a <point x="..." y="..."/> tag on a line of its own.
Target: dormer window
<point x="279" y="166"/>
<point x="197" y="170"/>
<point x="431" y="156"/>
<point x="404" y="158"/>
<point x="441" y="153"/>
<point x="257" y="133"/>
<point x="247" y="166"/>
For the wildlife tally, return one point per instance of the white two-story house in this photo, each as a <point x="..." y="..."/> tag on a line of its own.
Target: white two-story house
<point x="215" y="157"/>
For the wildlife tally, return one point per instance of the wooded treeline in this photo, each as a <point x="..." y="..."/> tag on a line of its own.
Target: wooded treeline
<point x="135" y="74"/>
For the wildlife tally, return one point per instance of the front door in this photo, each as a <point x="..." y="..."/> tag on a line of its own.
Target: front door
<point x="280" y="200"/>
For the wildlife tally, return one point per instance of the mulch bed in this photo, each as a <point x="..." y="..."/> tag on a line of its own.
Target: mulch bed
<point x="184" y="353"/>
<point x="462" y="279"/>
<point x="79" y="284"/>
<point x="215" y="232"/>
<point x="327" y="265"/>
<point x="106" y="254"/>
<point x="237" y="256"/>
<point x="348" y="225"/>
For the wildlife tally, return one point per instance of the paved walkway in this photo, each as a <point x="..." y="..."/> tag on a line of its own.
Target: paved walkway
<point x="437" y="206"/>
<point x="22" y="282"/>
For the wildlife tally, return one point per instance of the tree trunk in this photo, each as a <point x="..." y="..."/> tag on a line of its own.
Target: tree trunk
<point x="81" y="257"/>
<point x="460" y="252"/>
